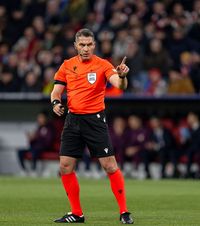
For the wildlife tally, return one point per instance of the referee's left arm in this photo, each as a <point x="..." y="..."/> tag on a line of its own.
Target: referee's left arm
<point x="119" y="80"/>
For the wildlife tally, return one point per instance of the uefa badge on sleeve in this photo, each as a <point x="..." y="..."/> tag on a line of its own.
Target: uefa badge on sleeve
<point x="92" y="77"/>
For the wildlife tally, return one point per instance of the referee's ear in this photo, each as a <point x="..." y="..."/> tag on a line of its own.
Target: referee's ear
<point x="75" y="45"/>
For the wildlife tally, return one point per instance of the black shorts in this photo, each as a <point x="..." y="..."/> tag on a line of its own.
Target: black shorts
<point x="89" y="130"/>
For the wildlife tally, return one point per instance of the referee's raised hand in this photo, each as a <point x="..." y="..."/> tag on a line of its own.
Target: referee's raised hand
<point x="122" y="69"/>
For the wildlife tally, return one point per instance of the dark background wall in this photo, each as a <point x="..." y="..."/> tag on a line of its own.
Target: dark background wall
<point x="26" y="109"/>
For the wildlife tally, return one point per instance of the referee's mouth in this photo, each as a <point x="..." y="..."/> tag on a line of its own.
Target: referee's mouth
<point x="85" y="56"/>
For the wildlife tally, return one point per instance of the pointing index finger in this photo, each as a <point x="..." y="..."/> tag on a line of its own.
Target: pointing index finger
<point x="124" y="60"/>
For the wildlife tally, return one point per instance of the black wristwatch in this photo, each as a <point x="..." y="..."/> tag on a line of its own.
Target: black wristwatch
<point x="55" y="102"/>
<point x="122" y="77"/>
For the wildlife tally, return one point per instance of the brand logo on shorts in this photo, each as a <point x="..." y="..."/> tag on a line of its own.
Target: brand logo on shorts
<point x="106" y="150"/>
<point x="92" y="77"/>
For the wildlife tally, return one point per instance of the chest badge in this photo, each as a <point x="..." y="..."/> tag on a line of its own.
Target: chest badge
<point x="92" y="77"/>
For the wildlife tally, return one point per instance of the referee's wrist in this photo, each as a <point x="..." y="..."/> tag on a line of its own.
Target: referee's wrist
<point x="122" y="77"/>
<point x="55" y="102"/>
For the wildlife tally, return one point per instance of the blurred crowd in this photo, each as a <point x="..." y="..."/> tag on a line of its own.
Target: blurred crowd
<point x="164" y="141"/>
<point x="159" y="38"/>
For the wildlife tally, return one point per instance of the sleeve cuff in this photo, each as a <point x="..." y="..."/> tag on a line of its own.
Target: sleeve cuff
<point x="60" y="82"/>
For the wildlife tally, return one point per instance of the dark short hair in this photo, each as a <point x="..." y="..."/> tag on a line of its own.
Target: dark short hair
<point x="84" y="32"/>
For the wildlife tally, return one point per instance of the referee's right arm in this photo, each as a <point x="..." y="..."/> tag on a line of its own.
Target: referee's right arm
<point x="56" y="95"/>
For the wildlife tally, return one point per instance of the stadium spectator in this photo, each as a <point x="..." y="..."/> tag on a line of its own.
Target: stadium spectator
<point x="39" y="140"/>
<point x="14" y="24"/>
<point x="4" y="53"/>
<point x="48" y="81"/>
<point x="137" y="34"/>
<point x="149" y="31"/>
<point x="66" y="36"/>
<point x="86" y="123"/>
<point x="45" y="59"/>
<point x="193" y="150"/>
<point x="137" y="77"/>
<point x="156" y="85"/>
<point x="157" y="57"/>
<point x="31" y="83"/>
<point x="117" y="21"/>
<point x="92" y="22"/>
<point x="180" y="43"/>
<point x="185" y="63"/>
<point x="28" y="45"/>
<point x="22" y="68"/>
<point x="179" y="84"/>
<point x="52" y="15"/>
<point x="105" y="48"/>
<point x="8" y="83"/>
<point x="142" y="10"/>
<point x="137" y="137"/>
<point x="195" y="71"/>
<point x="38" y="25"/>
<point x="159" y="15"/>
<point x="118" y="133"/>
<point x="161" y="145"/>
<point x="120" y="44"/>
<point x="12" y="63"/>
<point x="49" y="40"/>
<point x="193" y="31"/>
<point x="189" y="67"/>
<point x="76" y="11"/>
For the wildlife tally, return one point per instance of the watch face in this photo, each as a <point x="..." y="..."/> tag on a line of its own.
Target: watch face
<point x="55" y="102"/>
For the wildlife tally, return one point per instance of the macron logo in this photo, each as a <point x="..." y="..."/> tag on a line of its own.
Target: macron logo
<point x="106" y="150"/>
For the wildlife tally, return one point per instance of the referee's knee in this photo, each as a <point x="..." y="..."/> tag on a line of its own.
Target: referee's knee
<point x="109" y="164"/>
<point x="66" y="168"/>
<point x="110" y="167"/>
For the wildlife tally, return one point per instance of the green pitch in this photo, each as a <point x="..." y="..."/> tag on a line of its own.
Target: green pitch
<point x="36" y="202"/>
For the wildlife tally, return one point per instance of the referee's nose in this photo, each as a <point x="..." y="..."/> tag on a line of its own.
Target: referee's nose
<point x="85" y="48"/>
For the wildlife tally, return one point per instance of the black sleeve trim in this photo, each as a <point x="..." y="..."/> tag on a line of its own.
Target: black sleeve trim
<point x="60" y="82"/>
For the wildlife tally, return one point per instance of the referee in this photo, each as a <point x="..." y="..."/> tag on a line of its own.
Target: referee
<point x="84" y="78"/>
